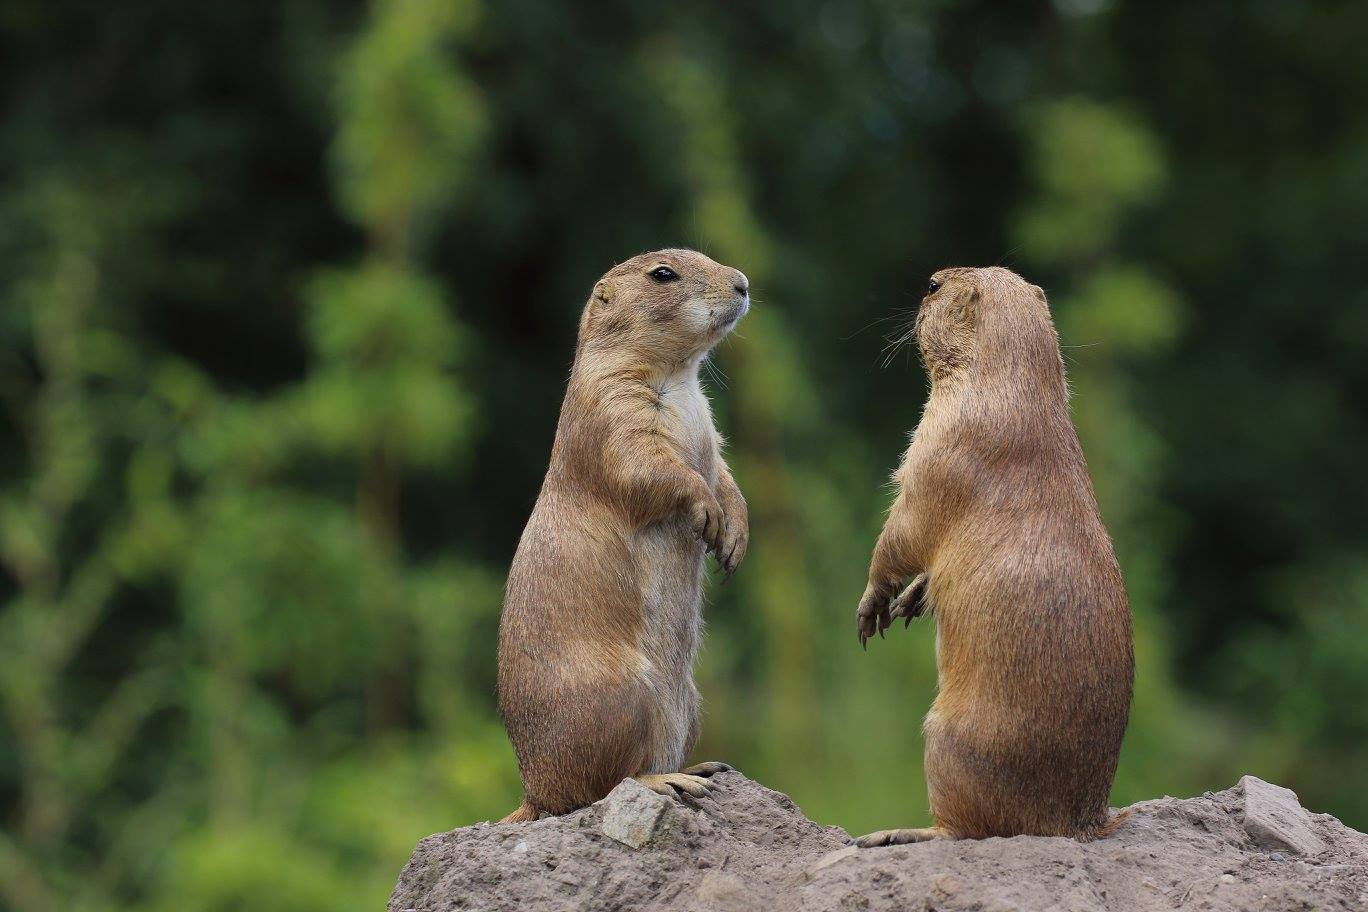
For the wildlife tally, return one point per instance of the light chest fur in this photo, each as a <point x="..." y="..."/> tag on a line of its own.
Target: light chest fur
<point x="669" y="563"/>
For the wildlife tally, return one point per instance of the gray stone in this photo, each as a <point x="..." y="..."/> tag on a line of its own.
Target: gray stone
<point x="633" y="813"/>
<point x="1275" y="819"/>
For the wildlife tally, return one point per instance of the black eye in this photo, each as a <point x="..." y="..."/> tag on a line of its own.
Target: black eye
<point x="932" y="286"/>
<point x="663" y="274"/>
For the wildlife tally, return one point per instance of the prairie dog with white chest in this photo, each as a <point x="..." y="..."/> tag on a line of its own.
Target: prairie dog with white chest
<point x="601" y="617"/>
<point x="998" y="530"/>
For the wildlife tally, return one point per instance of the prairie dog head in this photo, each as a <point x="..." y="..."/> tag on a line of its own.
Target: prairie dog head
<point x="987" y="321"/>
<point x="666" y="308"/>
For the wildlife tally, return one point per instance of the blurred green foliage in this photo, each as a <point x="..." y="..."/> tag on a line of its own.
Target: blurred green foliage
<point x="287" y="300"/>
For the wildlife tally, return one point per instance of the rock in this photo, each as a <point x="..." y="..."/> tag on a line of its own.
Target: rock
<point x="944" y="886"/>
<point x="829" y="859"/>
<point x="633" y="813"/>
<point x="727" y="893"/>
<point x="1275" y="819"/>
<point x="746" y="848"/>
<point x="1001" y="905"/>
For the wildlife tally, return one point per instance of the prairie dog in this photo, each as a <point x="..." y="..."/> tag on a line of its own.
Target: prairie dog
<point x="997" y="527"/>
<point x="601" y="617"/>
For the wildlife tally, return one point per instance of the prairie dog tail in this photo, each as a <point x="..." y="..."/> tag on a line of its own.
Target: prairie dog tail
<point x="1112" y="825"/>
<point x="524" y="814"/>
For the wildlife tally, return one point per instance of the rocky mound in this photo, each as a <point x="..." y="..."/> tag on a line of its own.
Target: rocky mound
<point x="747" y="848"/>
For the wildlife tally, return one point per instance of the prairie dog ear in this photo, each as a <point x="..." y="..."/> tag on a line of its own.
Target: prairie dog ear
<point x="600" y="319"/>
<point x="1039" y="293"/>
<point x="967" y="306"/>
<point x="599" y="298"/>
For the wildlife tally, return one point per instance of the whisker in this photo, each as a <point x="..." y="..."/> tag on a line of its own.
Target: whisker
<point x="896" y="345"/>
<point x="715" y="373"/>
<point x="895" y="317"/>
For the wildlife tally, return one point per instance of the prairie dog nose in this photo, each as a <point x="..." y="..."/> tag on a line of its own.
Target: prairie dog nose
<point x="741" y="285"/>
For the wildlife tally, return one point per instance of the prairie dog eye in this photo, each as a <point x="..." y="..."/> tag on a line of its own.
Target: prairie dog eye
<point x="932" y="286"/>
<point x="663" y="274"/>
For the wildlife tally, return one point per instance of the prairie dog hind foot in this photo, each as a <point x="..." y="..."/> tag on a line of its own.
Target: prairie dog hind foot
<point x="707" y="768"/>
<point x="676" y="784"/>
<point x="900" y="837"/>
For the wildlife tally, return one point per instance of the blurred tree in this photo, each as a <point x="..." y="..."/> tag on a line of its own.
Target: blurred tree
<point x="293" y="609"/>
<point x="64" y="755"/>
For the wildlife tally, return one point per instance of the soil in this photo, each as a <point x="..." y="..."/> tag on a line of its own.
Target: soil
<point x="747" y="848"/>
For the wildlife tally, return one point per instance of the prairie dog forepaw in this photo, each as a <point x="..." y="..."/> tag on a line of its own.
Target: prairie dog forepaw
<point x="709" y="523"/>
<point x="707" y="768"/>
<point x="873" y="614"/>
<point x="737" y="536"/>
<point x="911" y="602"/>
<point x="735" y="540"/>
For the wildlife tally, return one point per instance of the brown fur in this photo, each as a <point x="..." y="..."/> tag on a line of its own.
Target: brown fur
<point x="997" y="526"/>
<point x="601" y="613"/>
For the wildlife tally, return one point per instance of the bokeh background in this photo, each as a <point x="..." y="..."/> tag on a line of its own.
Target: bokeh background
<point x="288" y="294"/>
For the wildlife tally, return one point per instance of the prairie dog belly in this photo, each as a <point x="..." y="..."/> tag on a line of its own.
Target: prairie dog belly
<point x="670" y="566"/>
<point x="669" y="560"/>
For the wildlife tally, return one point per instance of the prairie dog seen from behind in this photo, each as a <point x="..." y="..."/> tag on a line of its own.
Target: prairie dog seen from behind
<point x="601" y="616"/>
<point x="997" y="528"/>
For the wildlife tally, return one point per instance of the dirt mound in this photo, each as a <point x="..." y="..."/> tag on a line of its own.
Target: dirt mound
<point x="750" y="849"/>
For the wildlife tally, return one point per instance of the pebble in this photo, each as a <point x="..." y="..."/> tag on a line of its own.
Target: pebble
<point x="633" y="813"/>
<point x="1275" y="819"/>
